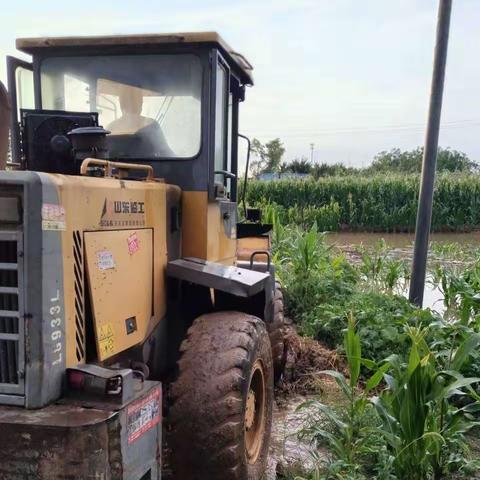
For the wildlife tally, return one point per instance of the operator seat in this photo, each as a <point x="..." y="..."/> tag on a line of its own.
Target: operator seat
<point x="133" y="135"/>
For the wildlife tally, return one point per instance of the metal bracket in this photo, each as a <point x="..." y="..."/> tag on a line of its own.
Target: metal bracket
<point x="237" y="281"/>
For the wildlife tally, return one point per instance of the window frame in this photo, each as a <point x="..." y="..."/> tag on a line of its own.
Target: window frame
<point x="218" y="60"/>
<point x="13" y="64"/>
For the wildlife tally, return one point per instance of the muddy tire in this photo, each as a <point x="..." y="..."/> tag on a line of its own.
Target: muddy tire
<point x="221" y="411"/>
<point x="276" y="332"/>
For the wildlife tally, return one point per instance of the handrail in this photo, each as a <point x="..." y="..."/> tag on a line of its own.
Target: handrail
<point x="109" y="166"/>
<point x="261" y="252"/>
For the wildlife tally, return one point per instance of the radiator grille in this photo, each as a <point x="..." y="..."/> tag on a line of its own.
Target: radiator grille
<point x="11" y="323"/>
<point x="79" y="296"/>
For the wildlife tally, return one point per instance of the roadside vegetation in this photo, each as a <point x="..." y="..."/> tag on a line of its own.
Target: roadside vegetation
<point x="410" y="391"/>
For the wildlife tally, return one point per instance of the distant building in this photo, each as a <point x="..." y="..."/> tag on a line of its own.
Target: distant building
<point x="269" y="176"/>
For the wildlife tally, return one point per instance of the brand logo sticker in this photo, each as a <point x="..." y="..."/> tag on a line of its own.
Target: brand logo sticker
<point x="122" y="213"/>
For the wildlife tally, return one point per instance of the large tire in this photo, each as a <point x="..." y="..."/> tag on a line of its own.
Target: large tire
<point x="276" y="332"/>
<point x="221" y="410"/>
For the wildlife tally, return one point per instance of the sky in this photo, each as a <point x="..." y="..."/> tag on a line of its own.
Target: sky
<point x="352" y="77"/>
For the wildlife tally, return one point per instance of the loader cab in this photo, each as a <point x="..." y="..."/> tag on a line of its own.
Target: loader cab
<point x="171" y="101"/>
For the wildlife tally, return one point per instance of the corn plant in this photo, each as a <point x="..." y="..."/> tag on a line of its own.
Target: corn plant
<point x="376" y="203"/>
<point x="346" y="430"/>
<point x="423" y="429"/>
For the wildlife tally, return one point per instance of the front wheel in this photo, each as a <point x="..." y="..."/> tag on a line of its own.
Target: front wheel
<point x="276" y="331"/>
<point x="221" y="413"/>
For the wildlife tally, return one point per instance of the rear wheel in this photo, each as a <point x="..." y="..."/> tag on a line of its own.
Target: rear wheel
<point x="221" y="412"/>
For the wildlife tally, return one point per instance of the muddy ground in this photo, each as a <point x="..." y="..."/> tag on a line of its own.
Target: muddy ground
<point x="301" y="384"/>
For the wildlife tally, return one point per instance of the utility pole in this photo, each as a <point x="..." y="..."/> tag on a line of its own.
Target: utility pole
<point x="312" y="146"/>
<point x="429" y="163"/>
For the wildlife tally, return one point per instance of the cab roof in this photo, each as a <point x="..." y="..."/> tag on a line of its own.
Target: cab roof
<point x="236" y="60"/>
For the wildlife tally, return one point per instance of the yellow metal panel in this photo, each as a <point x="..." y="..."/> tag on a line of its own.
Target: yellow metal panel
<point x="247" y="245"/>
<point x="203" y="233"/>
<point x="90" y="205"/>
<point x="120" y="274"/>
<point x="194" y="224"/>
<point x="220" y="248"/>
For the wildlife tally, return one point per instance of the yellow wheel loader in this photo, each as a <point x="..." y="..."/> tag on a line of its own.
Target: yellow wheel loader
<point x="131" y="299"/>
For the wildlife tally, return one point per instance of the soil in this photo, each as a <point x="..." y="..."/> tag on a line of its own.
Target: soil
<point x="306" y="358"/>
<point x="301" y="382"/>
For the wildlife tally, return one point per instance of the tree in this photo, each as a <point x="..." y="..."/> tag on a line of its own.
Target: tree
<point x="268" y="156"/>
<point x="299" y="166"/>
<point x="331" y="170"/>
<point x="400" y="161"/>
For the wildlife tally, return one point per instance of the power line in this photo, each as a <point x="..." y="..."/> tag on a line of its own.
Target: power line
<point x="367" y="130"/>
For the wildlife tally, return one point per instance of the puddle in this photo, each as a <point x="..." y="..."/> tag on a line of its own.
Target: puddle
<point x="400" y="240"/>
<point x="286" y="449"/>
<point x="401" y="246"/>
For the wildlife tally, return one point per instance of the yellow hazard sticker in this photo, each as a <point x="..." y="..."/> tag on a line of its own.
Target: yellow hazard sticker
<point x="106" y="338"/>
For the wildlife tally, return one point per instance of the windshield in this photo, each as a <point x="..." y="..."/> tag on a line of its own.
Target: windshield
<point x="150" y="103"/>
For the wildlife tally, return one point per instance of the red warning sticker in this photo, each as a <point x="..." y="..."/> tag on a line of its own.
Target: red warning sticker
<point x="133" y="243"/>
<point x="143" y="414"/>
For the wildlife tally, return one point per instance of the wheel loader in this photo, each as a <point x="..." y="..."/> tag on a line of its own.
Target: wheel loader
<point x="132" y="301"/>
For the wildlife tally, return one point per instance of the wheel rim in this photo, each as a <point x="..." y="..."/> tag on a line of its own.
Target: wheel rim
<point x="255" y="413"/>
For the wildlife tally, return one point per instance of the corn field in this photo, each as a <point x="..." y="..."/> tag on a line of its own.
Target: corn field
<point x="383" y="203"/>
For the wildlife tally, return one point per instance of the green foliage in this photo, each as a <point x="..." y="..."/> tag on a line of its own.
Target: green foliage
<point x="267" y="156"/>
<point x="424" y="431"/>
<point x="297" y="166"/>
<point x="310" y="272"/>
<point x="460" y="286"/>
<point x="428" y="399"/>
<point x="380" y="318"/>
<point x="331" y="170"/>
<point x="349" y="432"/>
<point x="321" y="286"/>
<point x="415" y="431"/>
<point x="398" y="161"/>
<point x="374" y="203"/>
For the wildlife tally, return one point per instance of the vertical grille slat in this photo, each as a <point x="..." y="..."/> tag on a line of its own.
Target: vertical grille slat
<point x="11" y="328"/>
<point x="3" y="362"/>
<point x="78" y="270"/>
